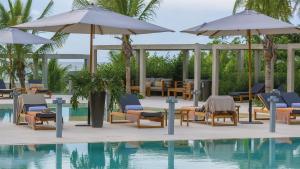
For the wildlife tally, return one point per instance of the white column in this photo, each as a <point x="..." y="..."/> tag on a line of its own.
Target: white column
<point x="185" y="62"/>
<point x="45" y="71"/>
<point x="241" y="61"/>
<point x="215" y="71"/>
<point x="290" y="70"/>
<point x="197" y="68"/>
<point x="142" y="72"/>
<point x="256" y="66"/>
<point x="137" y="60"/>
<point x="272" y="73"/>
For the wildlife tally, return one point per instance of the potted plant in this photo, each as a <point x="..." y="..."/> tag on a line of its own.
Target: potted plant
<point x="94" y="87"/>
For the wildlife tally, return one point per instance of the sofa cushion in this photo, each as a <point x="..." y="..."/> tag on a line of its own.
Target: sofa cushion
<point x="133" y="107"/>
<point x="296" y="105"/>
<point x="157" y="83"/>
<point x="37" y="108"/>
<point x="152" y="114"/>
<point x="281" y="105"/>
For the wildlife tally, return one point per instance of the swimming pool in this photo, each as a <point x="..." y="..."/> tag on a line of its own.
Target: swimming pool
<point x="223" y="154"/>
<point x="68" y="113"/>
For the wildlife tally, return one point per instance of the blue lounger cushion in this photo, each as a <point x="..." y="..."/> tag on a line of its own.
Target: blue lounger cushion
<point x="281" y="105"/>
<point x="133" y="107"/>
<point x="37" y="108"/>
<point x="296" y="105"/>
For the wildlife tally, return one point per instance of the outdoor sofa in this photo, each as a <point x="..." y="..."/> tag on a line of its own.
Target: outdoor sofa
<point x="33" y="110"/>
<point x="4" y="91"/>
<point x="287" y="107"/>
<point x="158" y="85"/>
<point x="132" y="111"/>
<point x="256" y="89"/>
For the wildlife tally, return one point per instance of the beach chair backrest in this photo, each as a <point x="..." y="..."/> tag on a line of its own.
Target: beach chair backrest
<point x="128" y="99"/>
<point x="35" y="81"/>
<point x="290" y="98"/>
<point x="2" y="84"/>
<point x="30" y="100"/>
<point x="35" y="84"/>
<point x="264" y="97"/>
<point x="258" y="88"/>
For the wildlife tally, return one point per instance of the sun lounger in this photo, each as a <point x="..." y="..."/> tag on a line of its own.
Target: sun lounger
<point x="217" y="107"/>
<point x="256" y="89"/>
<point x="4" y="90"/>
<point x="286" y="108"/>
<point x="133" y="111"/>
<point x="37" y="87"/>
<point x="33" y="109"/>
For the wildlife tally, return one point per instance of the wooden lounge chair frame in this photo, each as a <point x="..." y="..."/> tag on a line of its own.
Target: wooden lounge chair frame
<point x="241" y="96"/>
<point x="132" y="116"/>
<point x="291" y="118"/>
<point x="38" y="90"/>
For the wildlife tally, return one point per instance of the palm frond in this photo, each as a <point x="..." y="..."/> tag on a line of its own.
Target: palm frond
<point x="149" y="12"/>
<point x="237" y="5"/>
<point x="77" y="4"/>
<point x="26" y="11"/>
<point x="59" y="39"/>
<point x="47" y="10"/>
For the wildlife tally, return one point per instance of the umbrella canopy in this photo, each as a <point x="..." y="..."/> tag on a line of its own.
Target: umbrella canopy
<point x="240" y="23"/>
<point x="15" y="36"/>
<point x="105" y="21"/>
<point x="246" y="23"/>
<point x="93" y="20"/>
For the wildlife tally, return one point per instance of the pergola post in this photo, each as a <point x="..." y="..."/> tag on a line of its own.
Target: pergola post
<point x="185" y="62"/>
<point x="197" y="71"/>
<point x="137" y="60"/>
<point x="240" y="61"/>
<point x="256" y="66"/>
<point x="290" y="69"/>
<point x="215" y="71"/>
<point x="142" y="72"/>
<point x="45" y="71"/>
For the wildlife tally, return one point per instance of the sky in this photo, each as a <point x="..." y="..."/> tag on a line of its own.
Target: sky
<point x="173" y="14"/>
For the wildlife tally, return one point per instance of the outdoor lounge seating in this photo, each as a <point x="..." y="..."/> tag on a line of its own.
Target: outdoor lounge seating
<point x="33" y="109"/>
<point x="158" y="85"/>
<point x="218" y="107"/>
<point x="37" y="87"/>
<point x="256" y="89"/>
<point x="3" y="90"/>
<point x="287" y="108"/>
<point x="132" y="110"/>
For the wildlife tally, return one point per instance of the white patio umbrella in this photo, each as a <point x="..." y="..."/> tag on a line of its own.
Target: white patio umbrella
<point x="93" y="20"/>
<point x="15" y="36"/>
<point x="246" y="23"/>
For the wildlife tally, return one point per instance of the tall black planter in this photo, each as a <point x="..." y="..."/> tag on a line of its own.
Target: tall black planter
<point x="97" y="103"/>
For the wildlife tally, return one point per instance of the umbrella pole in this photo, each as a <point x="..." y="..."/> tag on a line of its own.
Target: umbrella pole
<point x="250" y="74"/>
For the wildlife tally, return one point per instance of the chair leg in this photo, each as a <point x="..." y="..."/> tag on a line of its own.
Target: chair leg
<point x="138" y="123"/>
<point x="213" y="120"/>
<point x="162" y="122"/>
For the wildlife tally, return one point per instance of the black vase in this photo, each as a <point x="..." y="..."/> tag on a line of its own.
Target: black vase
<point x="97" y="104"/>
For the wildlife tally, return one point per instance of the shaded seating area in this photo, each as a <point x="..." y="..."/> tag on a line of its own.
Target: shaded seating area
<point x="37" y="87"/>
<point x="132" y="110"/>
<point x="160" y="85"/>
<point x="4" y="91"/>
<point x="33" y="110"/>
<point x="287" y="108"/>
<point x="241" y="96"/>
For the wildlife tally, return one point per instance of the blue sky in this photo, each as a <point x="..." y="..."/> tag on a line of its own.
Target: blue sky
<point x="173" y="14"/>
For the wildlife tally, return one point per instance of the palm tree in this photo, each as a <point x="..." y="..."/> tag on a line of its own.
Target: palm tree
<point x="17" y="13"/>
<point x="139" y="9"/>
<point x="279" y="9"/>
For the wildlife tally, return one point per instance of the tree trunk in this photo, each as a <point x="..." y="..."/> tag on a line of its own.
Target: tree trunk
<point x="35" y="67"/>
<point x="127" y="53"/>
<point x="21" y="74"/>
<point x="10" y="68"/>
<point x="269" y="54"/>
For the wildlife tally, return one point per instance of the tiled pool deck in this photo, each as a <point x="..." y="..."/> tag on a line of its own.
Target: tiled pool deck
<point x="11" y="134"/>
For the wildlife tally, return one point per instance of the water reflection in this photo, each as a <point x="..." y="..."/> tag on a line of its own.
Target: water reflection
<point x="243" y="153"/>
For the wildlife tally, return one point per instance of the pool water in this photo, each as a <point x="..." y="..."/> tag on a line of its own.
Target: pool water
<point x="216" y="154"/>
<point x="68" y="113"/>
